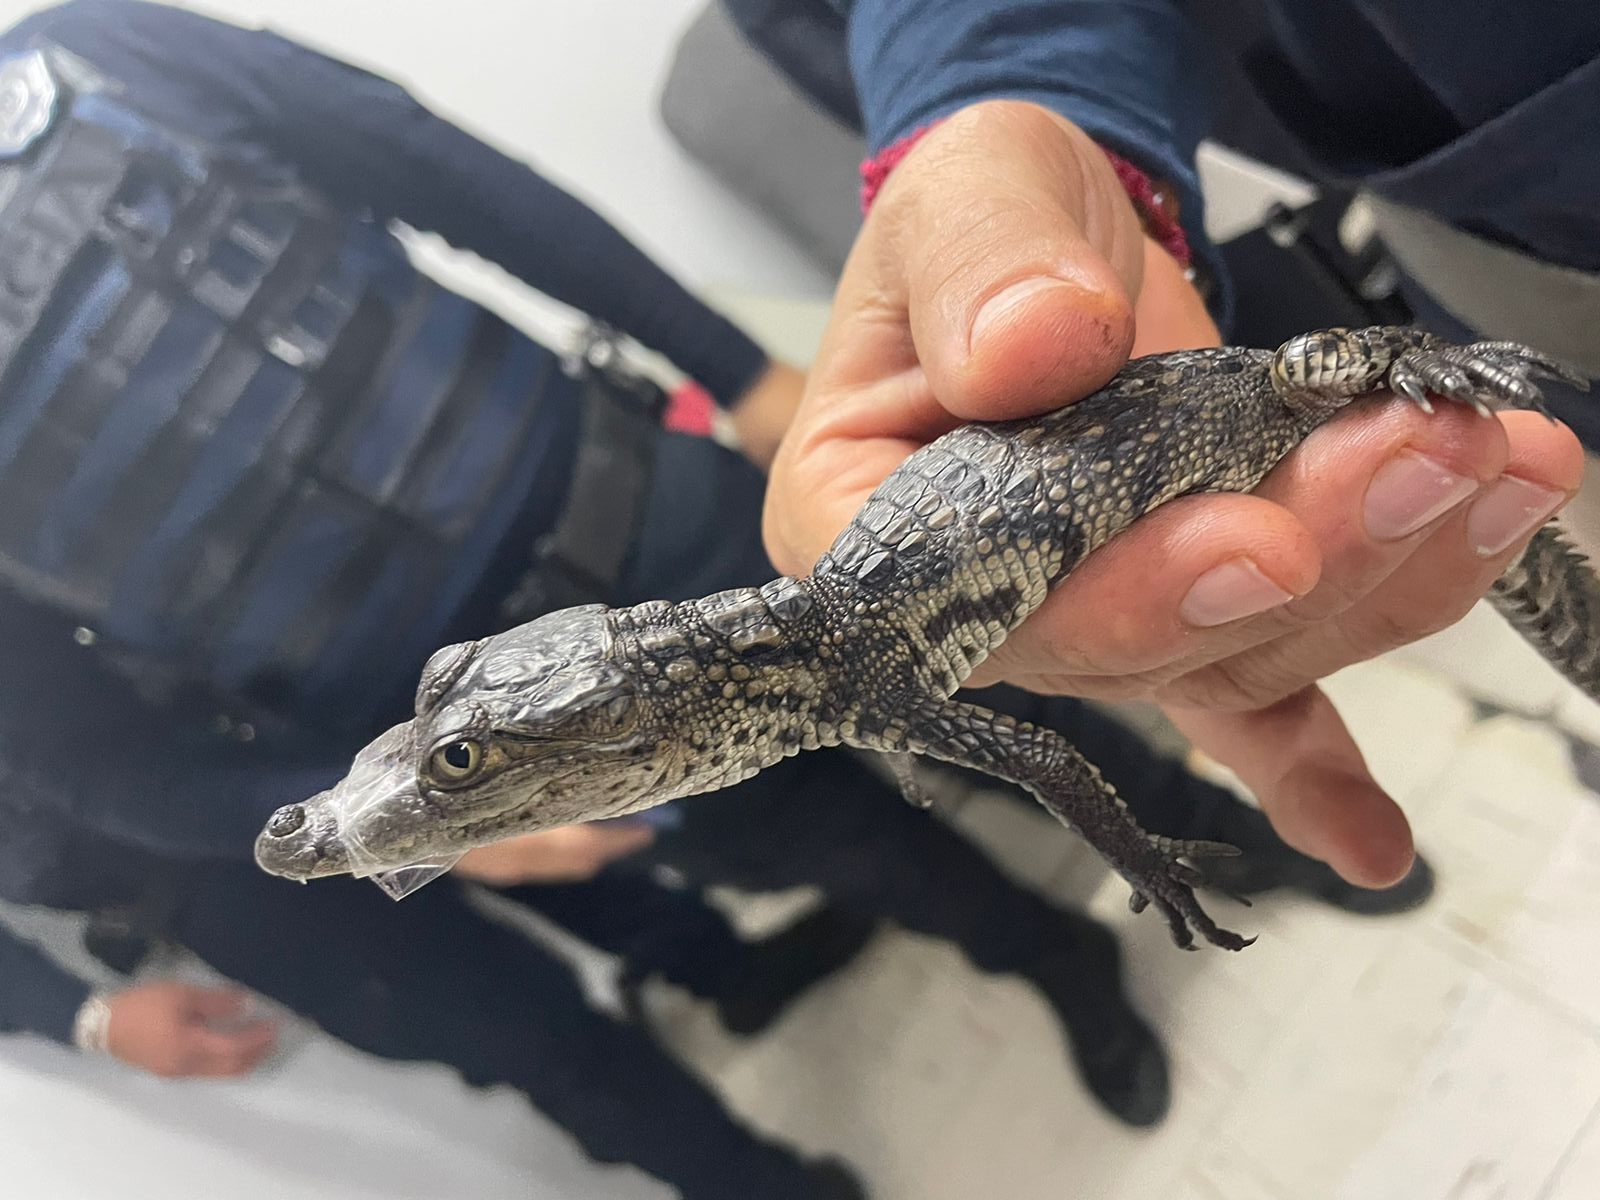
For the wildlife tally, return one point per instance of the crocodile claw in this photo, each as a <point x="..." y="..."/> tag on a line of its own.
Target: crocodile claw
<point x="1170" y="887"/>
<point x="1407" y="385"/>
<point x="1485" y="375"/>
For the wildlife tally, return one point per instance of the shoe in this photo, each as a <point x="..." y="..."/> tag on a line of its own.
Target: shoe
<point x="778" y="970"/>
<point x="1128" y="1074"/>
<point x="1280" y="867"/>
<point x="752" y="991"/>
<point x="112" y="944"/>
<point x="830" y="1179"/>
<point x="773" y="1172"/>
<point x="1118" y="1054"/>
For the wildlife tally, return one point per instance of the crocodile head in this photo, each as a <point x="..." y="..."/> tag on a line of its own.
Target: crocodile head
<point x="533" y="728"/>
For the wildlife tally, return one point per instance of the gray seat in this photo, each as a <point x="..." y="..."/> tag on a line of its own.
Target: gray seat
<point x="764" y="139"/>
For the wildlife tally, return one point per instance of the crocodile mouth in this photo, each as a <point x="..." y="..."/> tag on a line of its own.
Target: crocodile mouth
<point x="321" y="836"/>
<point x="378" y="820"/>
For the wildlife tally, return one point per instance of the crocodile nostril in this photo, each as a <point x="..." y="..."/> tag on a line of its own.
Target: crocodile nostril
<point x="287" y="820"/>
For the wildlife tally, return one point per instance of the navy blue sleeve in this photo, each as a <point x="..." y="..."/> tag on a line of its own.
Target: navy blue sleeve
<point x="36" y="995"/>
<point x="368" y="143"/>
<point x="1126" y="71"/>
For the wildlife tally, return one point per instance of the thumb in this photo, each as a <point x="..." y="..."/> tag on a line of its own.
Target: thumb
<point x="1022" y="258"/>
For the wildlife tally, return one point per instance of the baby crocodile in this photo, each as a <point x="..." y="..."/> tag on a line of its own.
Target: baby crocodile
<point x="594" y="712"/>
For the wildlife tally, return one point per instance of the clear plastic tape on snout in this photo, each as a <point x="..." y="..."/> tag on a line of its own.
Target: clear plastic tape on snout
<point x="402" y="881"/>
<point x="365" y="806"/>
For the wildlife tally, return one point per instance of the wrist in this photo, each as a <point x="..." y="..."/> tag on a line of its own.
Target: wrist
<point x="91" y="1028"/>
<point x="760" y="417"/>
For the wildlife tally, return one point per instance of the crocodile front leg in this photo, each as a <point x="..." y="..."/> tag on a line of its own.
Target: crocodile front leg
<point x="1074" y="792"/>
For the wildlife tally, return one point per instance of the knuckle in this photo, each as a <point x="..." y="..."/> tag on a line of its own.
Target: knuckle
<point x="1099" y="660"/>
<point x="1240" y="683"/>
<point x="1335" y="593"/>
<point x="1110" y="689"/>
<point x="1117" y="645"/>
<point x="1387" y="627"/>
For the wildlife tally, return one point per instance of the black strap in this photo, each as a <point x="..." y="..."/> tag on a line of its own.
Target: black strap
<point x="581" y="559"/>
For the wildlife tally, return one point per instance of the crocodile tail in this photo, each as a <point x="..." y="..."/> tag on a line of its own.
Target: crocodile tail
<point x="1552" y="596"/>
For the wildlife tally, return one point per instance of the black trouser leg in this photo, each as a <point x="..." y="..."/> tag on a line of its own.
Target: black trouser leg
<point x="702" y="526"/>
<point x="430" y="979"/>
<point x="658" y="930"/>
<point x="822" y="819"/>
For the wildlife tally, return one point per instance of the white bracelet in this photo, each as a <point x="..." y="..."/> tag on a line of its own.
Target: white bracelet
<point x="92" y="1026"/>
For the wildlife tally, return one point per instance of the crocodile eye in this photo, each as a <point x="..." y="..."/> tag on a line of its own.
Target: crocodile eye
<point x="456" y="762"/>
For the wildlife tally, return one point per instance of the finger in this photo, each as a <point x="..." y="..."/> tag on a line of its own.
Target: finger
<point x="1021" y="256"/>
<point x="1169" y="313"/>
<point x="1371" y="490"/>
<point x="1299" y="759"/>
<point x="623" y="840"/>
<point x="1220" y="558"/>
<point x="1453" y="567"/>
<point x="1371" y="486"/>
<point x="1343" y="511"/>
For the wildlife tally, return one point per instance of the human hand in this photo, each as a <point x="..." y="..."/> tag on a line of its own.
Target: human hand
<point x="570" y="854"/>
<point x="171" y="1029"/>
<point x="1002" y="273"/>
<point x="761" y="416"/>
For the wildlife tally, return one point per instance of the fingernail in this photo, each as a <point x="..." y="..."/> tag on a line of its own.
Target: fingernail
<point x="1508" y="511"/>
<point x="1235" y="589"/>
<point x="998" y="308"/>
<point x="1408" y="492"/>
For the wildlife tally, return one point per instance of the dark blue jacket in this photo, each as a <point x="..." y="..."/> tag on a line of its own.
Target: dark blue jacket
<point x="1485" y="113"/>
<point x="100" y="784"/>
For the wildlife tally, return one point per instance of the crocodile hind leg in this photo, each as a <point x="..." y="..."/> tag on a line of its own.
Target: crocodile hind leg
<point x="1073" y="791"/>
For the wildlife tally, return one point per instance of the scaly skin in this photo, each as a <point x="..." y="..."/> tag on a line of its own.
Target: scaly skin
<point x="593" y="712"/>
<point x="1553" y="599"/>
